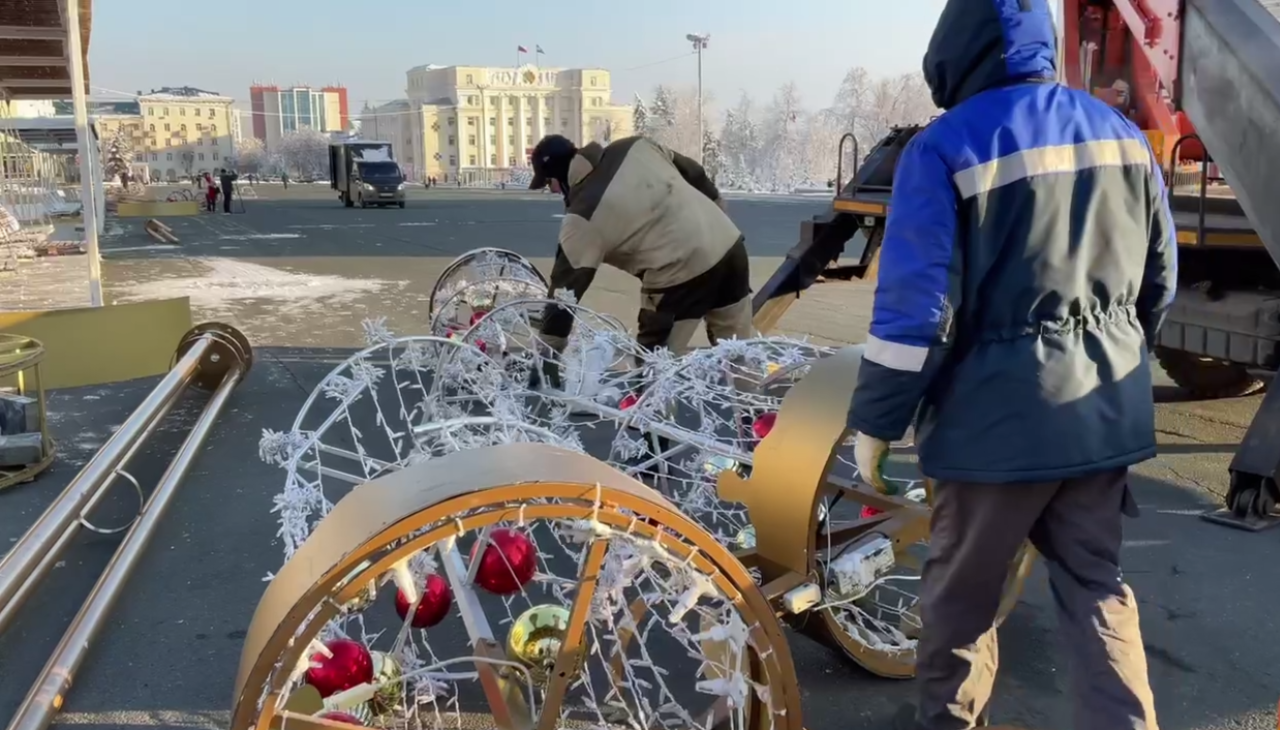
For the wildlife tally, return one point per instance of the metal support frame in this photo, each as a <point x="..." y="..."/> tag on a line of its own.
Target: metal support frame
<point x="213" y="357"/>
<point x="89" y="192"/>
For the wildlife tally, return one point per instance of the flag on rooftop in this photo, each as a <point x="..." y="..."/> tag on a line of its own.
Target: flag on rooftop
<point x="521" y="49"/>
<point x="538" y="49"/>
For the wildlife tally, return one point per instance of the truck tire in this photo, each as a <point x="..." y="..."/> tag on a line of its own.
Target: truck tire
<point x="1207" y="377"/>
<point x="401" y="205"/>
<point x="346" y="200"/>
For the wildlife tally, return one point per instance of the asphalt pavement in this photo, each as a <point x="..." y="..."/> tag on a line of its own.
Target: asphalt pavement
<point x="298" y="272"/>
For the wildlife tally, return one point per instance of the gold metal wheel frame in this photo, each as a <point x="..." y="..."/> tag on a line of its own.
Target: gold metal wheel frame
<point x="792" y="474"/>
<point x="20" y="359"/>
<point x="383" y="522"/>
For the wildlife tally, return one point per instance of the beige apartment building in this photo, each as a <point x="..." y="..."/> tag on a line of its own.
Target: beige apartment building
<point x="177" y="133"/>
<point x="478" y="123"/>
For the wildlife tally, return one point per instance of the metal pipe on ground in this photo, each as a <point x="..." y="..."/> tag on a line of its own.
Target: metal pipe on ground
<point x="213" y="357"/>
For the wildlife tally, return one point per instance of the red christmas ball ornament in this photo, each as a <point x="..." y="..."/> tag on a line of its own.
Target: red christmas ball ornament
<point x="870" y="512"/>
<point x="481" y="346"/>
<point x="627" y="401"/>
<point x="339" y="716"/>
<point x="349" y="665"/>
<point x="434" y="606"/>
<point x="764" y="424"/>
<point x="508" y="562"/>
<point x="478" y="315"/>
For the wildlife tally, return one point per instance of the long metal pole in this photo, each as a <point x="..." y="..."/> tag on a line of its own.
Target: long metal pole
<point x="32" y="548"/>
<point x="9" y="611"/>
<point x="701" y="119"/>
<point x="84" y="138"/>
<point x="46" y="697"/>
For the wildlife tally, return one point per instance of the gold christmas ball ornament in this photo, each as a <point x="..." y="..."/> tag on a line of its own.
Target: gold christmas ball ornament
<point x="387" y="676"/>
<point x="536" y="637"/>
<point x="746" y="538"/>
<point x="715" y="464"/>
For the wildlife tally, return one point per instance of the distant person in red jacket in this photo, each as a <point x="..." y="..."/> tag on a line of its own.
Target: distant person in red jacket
<point x="210" y="193"/>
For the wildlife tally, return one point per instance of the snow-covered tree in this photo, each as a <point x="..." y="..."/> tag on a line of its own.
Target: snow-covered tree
<point x="305" y="153"/>
<point x="711" y="154"/>
<point x="662" y="113"/>
<point x="251" y="155"/>
<point x="784" y="141"/>
<point x="640" y="117"/>
<point x="116" y="156"/>
<point x="740" y="147"/>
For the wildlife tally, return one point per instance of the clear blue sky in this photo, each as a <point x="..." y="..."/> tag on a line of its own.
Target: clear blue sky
<point x="225" y="45"/>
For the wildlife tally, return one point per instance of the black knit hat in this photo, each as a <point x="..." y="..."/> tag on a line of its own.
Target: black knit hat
<point x="550" y="159"/>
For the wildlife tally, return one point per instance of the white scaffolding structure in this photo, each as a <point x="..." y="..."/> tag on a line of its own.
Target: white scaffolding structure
<point x="43" y="56"/>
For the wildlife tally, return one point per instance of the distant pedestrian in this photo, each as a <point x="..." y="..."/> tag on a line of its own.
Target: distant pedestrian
<point x="228" y="179"/>
<point x="284" y="178"/>
<point x="210" y="193"/>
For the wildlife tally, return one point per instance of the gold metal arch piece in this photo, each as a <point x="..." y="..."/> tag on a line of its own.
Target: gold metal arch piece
<point x="792" y="472"/>
<point x="384" y="521"/>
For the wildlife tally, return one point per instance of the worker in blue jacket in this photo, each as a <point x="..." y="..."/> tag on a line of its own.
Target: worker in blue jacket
<point x="1027" y="264"/>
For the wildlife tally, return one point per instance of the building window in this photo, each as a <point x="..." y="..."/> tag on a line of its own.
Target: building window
<point x="166" y="126"/>
<point x="211" y="114"/>
<point x="592" y="80"/>
<point x="595" y="101"/>
<point x="453" y="161"/>
<point x="511" y="162"/>
<point x="511" y="121"/>
<point x="450" y="122"/>
<point x="215" y="155"/>
<point x="564" y="122"/>
<point x="199" y="127"/>
<point x="529" y="122"/>
<point x="137" y="157"/>
<point x="199" y="141"/>
<point x="182" y="127"/>
<point x="511" y="139"/>
<point x="473" y="160"/>
<point x="213" y="129"/>
<point x="164" y="111"/>
<point x="471" y="121"/>
<point x="200" y="157"/>
<point x="546" y="123"/>
<point x="471" y="140"/>
<point x="154" y="157"/>
<point x="168" y="142"/>
<point x="493" y="160"/>
<point x="182" y="111"/>
<point x="151" y="127"/>
<point x="452" y="142"/>
<point x="168" y="156"/>
<point x="470" y="79"/>
<point x="493" y="139"/>
<point x="213" y="142"/>
<point x="528" y="139"/>
<point x="151" y="112"/>
<point x="493" y="121"/>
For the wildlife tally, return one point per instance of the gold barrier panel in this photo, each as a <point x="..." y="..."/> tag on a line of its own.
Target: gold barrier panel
<point x="95" y="345"/>
<point x="157" y="208"/>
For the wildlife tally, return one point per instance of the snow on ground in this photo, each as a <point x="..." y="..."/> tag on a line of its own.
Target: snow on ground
<point x="227" y="284"/>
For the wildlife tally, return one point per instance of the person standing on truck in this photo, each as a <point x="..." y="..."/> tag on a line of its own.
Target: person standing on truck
<point x="655" y="214"/>
<point x="1027" y="265"/>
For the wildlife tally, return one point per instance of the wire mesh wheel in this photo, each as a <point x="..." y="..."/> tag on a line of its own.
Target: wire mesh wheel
<point x="475" y="283"/>
<point x="620" y="611"/>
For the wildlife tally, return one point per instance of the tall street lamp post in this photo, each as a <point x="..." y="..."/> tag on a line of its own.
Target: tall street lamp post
<point x="699" y="41"/>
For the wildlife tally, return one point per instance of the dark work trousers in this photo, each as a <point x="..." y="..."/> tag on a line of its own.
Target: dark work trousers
<point x="1076" y="525"/>
<point x="226" y="197"/>
<point x="720" y="296"/>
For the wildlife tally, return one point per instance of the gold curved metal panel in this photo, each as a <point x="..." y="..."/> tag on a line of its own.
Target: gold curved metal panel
<point x="394" y="506"/>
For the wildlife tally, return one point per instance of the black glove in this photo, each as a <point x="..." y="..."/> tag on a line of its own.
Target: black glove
<point x="548" y="368"/>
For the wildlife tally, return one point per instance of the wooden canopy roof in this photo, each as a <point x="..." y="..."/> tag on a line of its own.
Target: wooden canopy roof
<point x="34" y="56"/>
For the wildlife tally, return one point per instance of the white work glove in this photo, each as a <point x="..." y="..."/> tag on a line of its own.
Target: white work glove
<point x="870" y="453"/>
